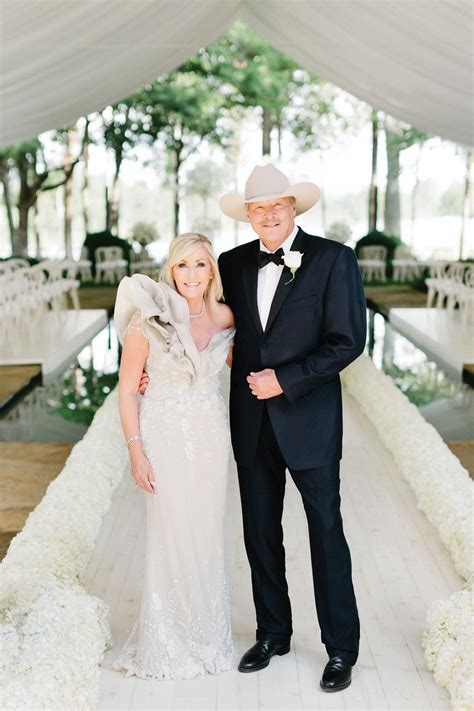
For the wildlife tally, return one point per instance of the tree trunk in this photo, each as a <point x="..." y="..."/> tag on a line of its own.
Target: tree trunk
<point x="413" y="196"/>
<point x="266" y="131"/>
<point x="107" y="208"/>
<point x="36" y="231"/>
<point x="176" y="197"/>
<point x="176" y="167"/>
<point x="25" y="201"/>
<point x="5" y="180"/>
<point x="20" y="243"/>
<point x="392" y="193"/>
<point x="279" y="137"/>
<point x="465" y="203"/>
<point x="85" y="181"/>
<point x="68" y="210"/>
<point x="114" y="205"/>
<point x="322" y="198"/>
<point x="71" y="150"/>
<point x="373" y="192"/>
<point x="235" y="153"/>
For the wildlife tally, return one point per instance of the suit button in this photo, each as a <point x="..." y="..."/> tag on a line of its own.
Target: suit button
<point x="264" y="345"/>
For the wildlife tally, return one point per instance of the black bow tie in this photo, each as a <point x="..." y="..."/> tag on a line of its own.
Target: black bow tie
<point x="265" y="257"/>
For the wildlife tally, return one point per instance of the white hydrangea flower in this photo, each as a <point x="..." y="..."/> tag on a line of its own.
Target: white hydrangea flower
<point x="53" y="633"/>
<point x="444" y="492"/>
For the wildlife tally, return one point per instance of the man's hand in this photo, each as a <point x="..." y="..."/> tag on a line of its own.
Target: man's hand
<point x="144" y="380"/>
<point x="264" y="384"/>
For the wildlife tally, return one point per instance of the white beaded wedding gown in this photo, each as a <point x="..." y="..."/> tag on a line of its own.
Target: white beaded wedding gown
<point x="183" y="629"/>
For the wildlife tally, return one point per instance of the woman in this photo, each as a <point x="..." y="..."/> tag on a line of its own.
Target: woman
<point x="178" y="441"/>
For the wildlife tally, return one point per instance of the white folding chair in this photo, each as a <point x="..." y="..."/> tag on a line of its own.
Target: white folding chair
<point x="449" y="284"/>
<point x="59" y="286"/>
<point x="464" y="295"/>
<point x="110" y="264"/>
<point x="434" y="281"/>
<point x="373" y="262"/>
<point x="81" y="267"/>
<point x="405" y="266"/>
<point x="140" y="263"/>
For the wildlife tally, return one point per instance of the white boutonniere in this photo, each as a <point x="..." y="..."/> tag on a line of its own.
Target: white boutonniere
<point x="292" y="260"/>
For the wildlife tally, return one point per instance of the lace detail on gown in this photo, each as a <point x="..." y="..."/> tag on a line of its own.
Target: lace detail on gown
<point x="183" y="627"/>
<point x="178" y="643"/>
<point x="135" y="324"/>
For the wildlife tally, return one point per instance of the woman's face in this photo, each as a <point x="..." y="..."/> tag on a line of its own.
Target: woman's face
<point x="193" y="273"/>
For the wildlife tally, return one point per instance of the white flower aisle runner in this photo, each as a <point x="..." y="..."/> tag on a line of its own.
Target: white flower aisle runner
<point x="53" y="633"/>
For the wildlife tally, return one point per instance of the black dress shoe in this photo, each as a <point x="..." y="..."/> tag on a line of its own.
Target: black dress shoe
<point x="336" y="675"/>
<point x="258" y="656"/>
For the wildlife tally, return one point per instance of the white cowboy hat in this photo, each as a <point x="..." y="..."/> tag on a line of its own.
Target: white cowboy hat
<point x="266" y="182"/>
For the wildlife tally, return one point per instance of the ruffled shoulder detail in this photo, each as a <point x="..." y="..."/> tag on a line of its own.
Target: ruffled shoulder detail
<point x="164" y="316"/>
<point x="216" y="353"/>
<point x="223" y="340"/>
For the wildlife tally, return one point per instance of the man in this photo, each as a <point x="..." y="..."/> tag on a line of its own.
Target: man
<point x="299" y="308"/>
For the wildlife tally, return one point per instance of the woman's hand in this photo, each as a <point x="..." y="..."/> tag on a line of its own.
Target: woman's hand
<point x="142" y="472"/>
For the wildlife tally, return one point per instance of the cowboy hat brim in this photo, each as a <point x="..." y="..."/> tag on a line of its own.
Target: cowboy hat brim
<point x="305" y="194"/>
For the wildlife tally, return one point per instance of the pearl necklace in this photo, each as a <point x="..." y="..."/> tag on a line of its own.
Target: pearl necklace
<point x="200" y="313"/>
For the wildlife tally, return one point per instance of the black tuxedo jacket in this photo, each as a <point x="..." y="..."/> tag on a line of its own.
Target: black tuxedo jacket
<point x="316" y="327"/>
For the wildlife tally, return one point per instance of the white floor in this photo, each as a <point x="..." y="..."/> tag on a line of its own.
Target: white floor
<point x="400" y="567"/>
<point x="440" y="333"/>
<point x="54" y="340"/>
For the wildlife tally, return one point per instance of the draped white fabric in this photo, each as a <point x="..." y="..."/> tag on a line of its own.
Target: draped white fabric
<point x="61" y="60"/>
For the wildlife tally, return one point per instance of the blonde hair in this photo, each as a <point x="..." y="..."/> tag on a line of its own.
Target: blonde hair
<point x="181" y="247"/>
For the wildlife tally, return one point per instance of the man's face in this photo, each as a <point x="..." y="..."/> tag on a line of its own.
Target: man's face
<point x="272" y="220"/>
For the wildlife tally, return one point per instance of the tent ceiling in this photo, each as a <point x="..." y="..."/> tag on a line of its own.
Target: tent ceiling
<point x="411" y="58"/>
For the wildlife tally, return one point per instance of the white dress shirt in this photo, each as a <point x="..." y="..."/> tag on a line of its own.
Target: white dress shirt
<point x="268" y="278"/>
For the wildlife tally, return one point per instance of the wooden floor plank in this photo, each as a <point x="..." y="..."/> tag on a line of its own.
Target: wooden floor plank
<point x="26" y="469"/>
<point x="16" y="379"/>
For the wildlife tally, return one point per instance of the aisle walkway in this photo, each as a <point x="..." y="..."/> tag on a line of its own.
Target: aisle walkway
<point x="400" y="567"/>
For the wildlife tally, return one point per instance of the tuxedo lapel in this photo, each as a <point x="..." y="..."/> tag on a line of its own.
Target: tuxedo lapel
<point x="250" y="276"/>
<point x="286" y="282"/>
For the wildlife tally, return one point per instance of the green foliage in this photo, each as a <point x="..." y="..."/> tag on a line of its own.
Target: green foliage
<point x="250" y="72"/>
<point x="375" y="237"/>
<point x="423" y="384"/>
<point x="81" y="405"/>
<point x="29" y="159"/>
<point x="25" y="152"/>
<point x="401" y="136"/>
<point x="205" y="179"/>
<point x="122" y="126"/>
<point x="321" y="114"/>
<point x="182" y="110"/>
<point x="144" y="233"/>
<point x="339" y="231"/>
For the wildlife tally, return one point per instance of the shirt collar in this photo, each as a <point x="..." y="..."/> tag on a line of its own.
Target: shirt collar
<point x="286" y="246"/>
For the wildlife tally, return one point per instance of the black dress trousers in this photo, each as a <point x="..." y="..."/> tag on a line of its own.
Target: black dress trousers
<point x="262" y="489"/>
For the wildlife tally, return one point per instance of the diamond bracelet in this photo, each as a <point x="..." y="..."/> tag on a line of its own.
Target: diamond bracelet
<point x="132" y="439"/>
